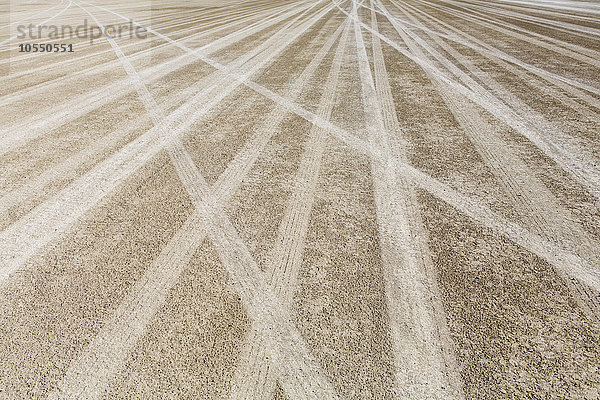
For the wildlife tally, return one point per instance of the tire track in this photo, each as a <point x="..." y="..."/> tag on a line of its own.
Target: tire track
<point x="117" y="338"/>
<point x="559" y="25"/>
<point x="575" y="266"/>
<point x="299" y="372"/>
<point x="422" y="369"/>
<point x="573" y="159"/>
<point x="254" y="378"/>
<point x="576" y="88"/>
<point x="541" y="211"/>
<point x="503" y="97"/>
<point x="533" y="202"/>
<point x="465" y="204"/>
<point x="22" y="133"/>
<point x="28" y="189"/>
<point x="582" y="109"/>
<point x="242" y="18"/>
<point x="482" y="16"/>
<point x="108" y="65"/>
<point x="483" y="21"/>
<point x="468" y="40"/>
<point x="47" y="221"/>
<point x="2" y="43"/>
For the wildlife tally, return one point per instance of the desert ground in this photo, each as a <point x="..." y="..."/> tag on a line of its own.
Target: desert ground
<point x="277" y="199"/>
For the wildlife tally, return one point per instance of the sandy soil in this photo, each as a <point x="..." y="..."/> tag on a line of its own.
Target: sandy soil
<point x="271" y="199"/>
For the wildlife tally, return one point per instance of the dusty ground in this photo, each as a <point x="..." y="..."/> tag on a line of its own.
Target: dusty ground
<point x="275" y="199"/>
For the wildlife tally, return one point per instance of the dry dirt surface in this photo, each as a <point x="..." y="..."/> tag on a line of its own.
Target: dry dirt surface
<point x="276" y="199"/>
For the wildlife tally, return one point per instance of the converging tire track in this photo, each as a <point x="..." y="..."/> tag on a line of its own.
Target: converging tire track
<point x="240" y="144"/>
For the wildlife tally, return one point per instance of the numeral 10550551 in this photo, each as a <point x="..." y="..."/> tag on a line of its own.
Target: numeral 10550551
<point x="45" y="48"/>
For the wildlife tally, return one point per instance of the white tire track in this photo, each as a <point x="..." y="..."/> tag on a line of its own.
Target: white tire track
<point x="574" y="160"/>
<point x="254" y="377"/>
<point x="298" y="371"/>
<point x="422" y="368"/>
<point x="121" y="332"/>
<point x="47" y="221"/>
<point x="22" y="133"/>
